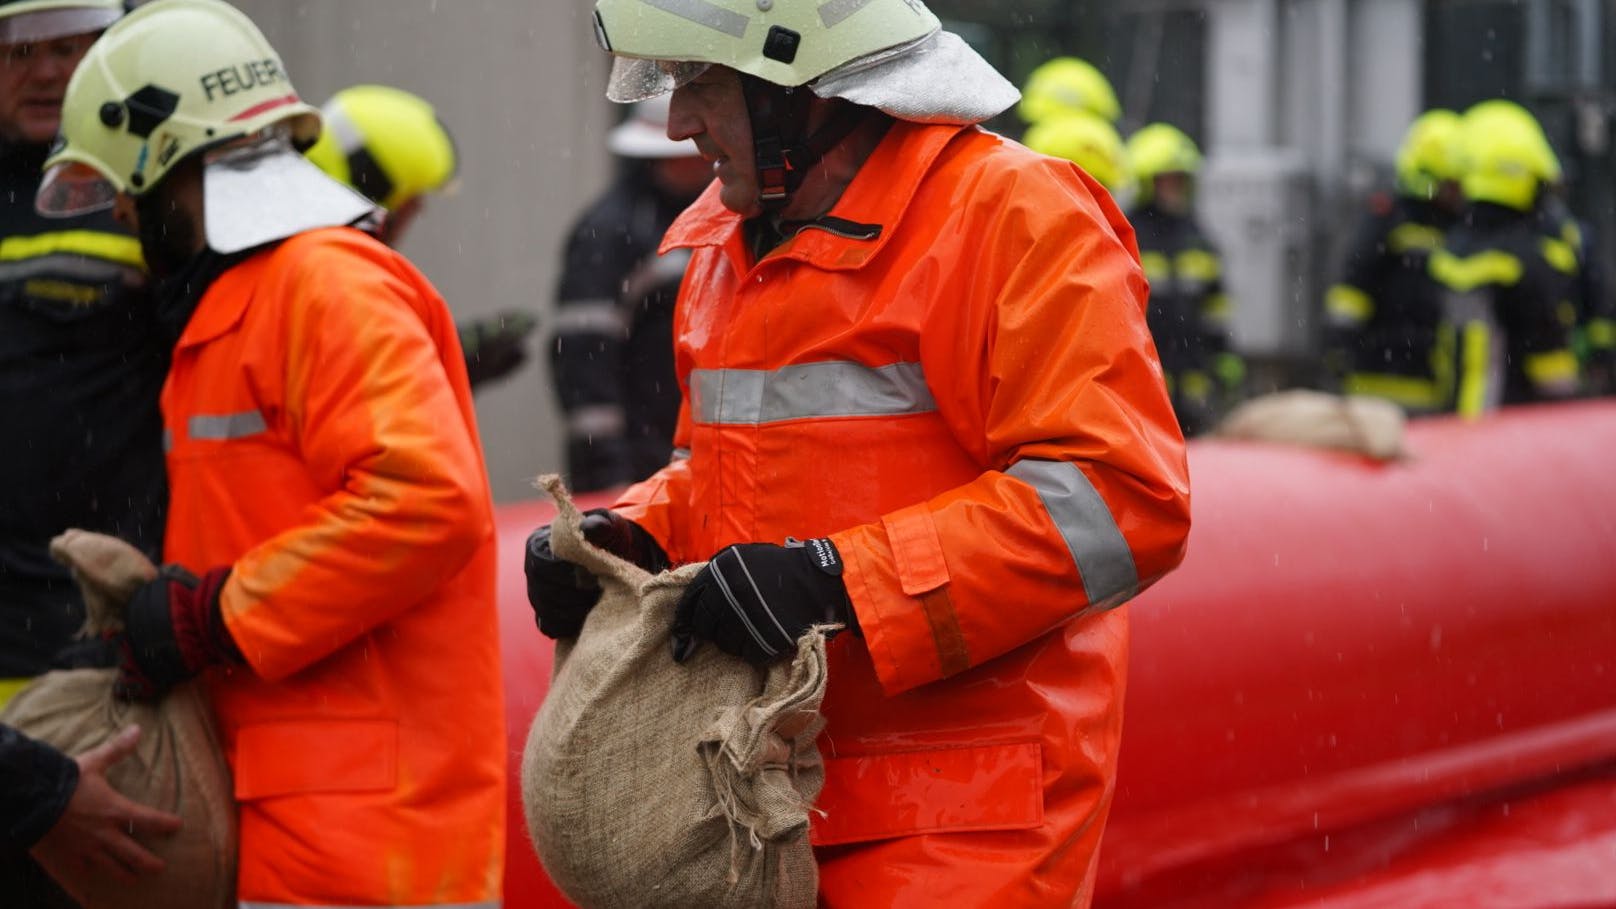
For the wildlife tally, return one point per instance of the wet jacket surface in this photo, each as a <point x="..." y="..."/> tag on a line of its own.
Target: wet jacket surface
<point x="612" y="354"/>
<point x="1383" y="317"/>
<point x="323" y="444"/>
<point x="1509" y="300"/>
<point x="81" y="365"/>
<point x="951" y="376"/>
<point x="1189" y="310"/>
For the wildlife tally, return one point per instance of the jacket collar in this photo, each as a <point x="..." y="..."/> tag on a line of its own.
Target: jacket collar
<point x="861" y="221"/>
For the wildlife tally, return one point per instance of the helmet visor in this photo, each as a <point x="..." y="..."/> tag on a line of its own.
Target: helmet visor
<point x="50" y="24"/>
<point x="635" y="79"/>
<point x="72" y="188"/>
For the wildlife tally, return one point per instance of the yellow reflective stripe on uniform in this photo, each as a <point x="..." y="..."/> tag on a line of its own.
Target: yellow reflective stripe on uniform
<point x="1100" y="551"/>
<point x="124" y="250"/>
<point x="1154" y="265"/>
<point x="9" y="689"/>
<point x="1556" y="367"/>
<point x="1198" y="265"/>
<point x="1216" y="309"/>
<point x="1476" y="346"/>
<point x="1442" y="364"/>
<point x="829" y="389"/>
<point x="1410" y="237"/>
<point x="1559" y="254"/>
<point x="1572" y="234"/>
<point x="1601" y="333"/>
<point x="1470" y="272"/>
<point x="1409" y="391"/>
<point x="1348" y="304"/>
<point x="255" y="904"/>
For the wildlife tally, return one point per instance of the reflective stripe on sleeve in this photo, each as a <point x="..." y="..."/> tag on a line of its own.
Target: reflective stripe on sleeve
<point x="1551" y="368"/>
<point x="1410" y="237"/>
<point x="223" y="427"/>
<point x="1347" y="305"/>
<point x="589" y="317"/>
<point x="604" y="421"/>
<point x="1097" y="545"/>
<point x="1467" y="273"/>
<point x="829" y="389"/>
<point x="679" y="454"/>
<point x="1559" y="254"/>
<point x="833" y="12"/>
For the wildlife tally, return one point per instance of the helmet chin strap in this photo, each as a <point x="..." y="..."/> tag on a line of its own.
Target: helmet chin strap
<point x="784" y="156"/>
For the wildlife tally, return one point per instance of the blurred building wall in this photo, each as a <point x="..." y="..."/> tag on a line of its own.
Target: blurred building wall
<point x="520" y="84"/>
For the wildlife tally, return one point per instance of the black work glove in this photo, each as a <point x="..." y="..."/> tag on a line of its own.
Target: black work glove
<point x="496" y="346"/>
<point x="562" y="593"/>
<point x="173" y="631"/>
<point x="754" y="600"/>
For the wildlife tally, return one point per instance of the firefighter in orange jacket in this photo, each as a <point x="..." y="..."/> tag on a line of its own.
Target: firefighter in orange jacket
<point x="921" y="401"/>
<point x="325" y="472"/>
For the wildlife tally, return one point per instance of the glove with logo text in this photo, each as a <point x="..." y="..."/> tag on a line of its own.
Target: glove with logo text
<point x="173" y="630"/>
<point x="754" y="600"/>
<point x="562" y="593"/>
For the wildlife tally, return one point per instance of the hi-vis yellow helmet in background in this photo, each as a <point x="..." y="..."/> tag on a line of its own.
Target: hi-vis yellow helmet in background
<point x="1067" y="85"/>
<point x="1506" y="157"/>
<point x="1086" y="140"/>
<point x="170" y="79"/>
<point x="45" y="20"/>
<point x="386" y="143"/>
<point x="1430" y="154"/>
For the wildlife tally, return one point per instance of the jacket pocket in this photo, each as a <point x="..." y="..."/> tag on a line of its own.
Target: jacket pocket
<point x="304" y="756"/>
<point x="951" y="790"/>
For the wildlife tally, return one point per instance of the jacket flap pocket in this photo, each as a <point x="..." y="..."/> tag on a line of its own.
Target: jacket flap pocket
<point x="916" y="550"/>
<point x="316" y="756"/>
<point x="876" y="797"/>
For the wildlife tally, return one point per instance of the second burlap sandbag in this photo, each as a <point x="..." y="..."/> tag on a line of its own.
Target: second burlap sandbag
<point x="177" y="766"/>
<point x="651" y="783"/>
<point x="1372" y="427"/>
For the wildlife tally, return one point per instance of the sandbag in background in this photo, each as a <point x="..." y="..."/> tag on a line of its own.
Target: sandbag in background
<point x="650" y="783"/>
<point x="178" y="765"/>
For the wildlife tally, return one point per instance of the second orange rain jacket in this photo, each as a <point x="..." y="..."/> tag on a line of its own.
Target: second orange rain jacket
<point x="322" y="443"/>
<point x="951" y="376"/>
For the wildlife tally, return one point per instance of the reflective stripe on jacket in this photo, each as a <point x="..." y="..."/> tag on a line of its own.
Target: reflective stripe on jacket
<point x="953" y="378"/>
<point x="322" y="441"/>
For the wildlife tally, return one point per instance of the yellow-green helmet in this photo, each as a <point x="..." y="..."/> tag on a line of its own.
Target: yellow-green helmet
<point x="170" y="79"/>
<point x="1506" y="156"/>
<point x="661" y="44"/>
<point x="386" y="143"/>
<point x="1161" y="148"/>
<point x="1086" y="140"/>
<point x="1430" y="154"/>
<point x="45" y="20"/>
<point x="1067" y="85"/>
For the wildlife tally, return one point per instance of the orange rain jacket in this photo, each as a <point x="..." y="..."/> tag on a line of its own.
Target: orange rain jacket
<point x="951" y="376"/>
<point x="322" y="442"/>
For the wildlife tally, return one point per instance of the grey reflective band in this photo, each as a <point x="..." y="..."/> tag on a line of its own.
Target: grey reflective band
<point x="252" y="904"/>
<point x="223" y="427"/>
<point x="832" y="12"/>
<point x="703" y="13"/>
<point x="831" y="389"/>
<point x="1103" y="558"/>
<point x="679" y="454"/>
<point x="70" y="267"/>
<point x="604" y="421"/>
<point x="589" y="317"/>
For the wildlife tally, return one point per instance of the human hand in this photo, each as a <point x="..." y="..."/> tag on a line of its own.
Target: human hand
<point x="754" y="600"/>
<point x="562" y="593"/>
<point x="98" y="830"/>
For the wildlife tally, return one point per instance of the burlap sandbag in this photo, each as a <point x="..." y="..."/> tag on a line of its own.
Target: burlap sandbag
<point x="1372" y="427"/>
<point x="649" y="783"/>
<point x="177" y="767"/>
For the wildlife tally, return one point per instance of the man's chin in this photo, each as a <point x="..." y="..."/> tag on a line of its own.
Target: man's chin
<point x="743" y="200"/>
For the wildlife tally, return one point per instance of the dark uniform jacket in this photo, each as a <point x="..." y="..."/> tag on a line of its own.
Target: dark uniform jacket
<point x="612" y="359"/>
<point x="1509" y="310"/>
<point x="36" y="782"/>
<point x="1189" y="312"/>
<point x="1382" y="319"/>
<point x="82" y="363"/>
